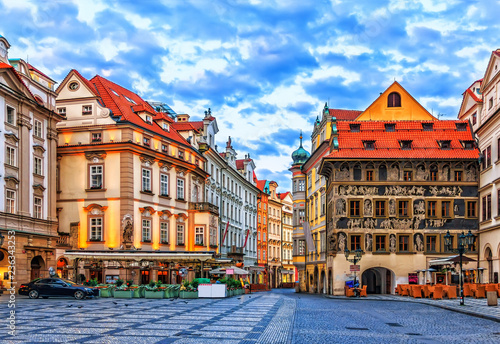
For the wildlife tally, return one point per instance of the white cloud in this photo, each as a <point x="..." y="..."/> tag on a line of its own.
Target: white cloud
<point x="88" y="9"/>
<point x="109" y="49"/>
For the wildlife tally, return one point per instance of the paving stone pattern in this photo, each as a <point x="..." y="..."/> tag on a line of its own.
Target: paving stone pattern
<point x="277" y="317"/>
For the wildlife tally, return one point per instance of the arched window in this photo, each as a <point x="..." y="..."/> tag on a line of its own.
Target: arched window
<point x="394" y="100"/>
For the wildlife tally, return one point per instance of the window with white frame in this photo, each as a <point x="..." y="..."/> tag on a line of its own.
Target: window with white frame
<point x="10" y="156"/>
<point x="180" y="234"/>
<point x="164" y="184"/>
<point x="37" y="207"/>
<point x="213" y="236"/>
<point x="37" y="166"/>
<point x="10" y="202"/>
<point x="146" y="230"/>
<point x="96" y="176"/>
<point x="62" y="111"/>
<point x="164" y="232"/>
<point x="96" y="137"/>
<point x="180" y="189"/>
<point x="87" y="110"/>
<point x="146" y="180"/>
<point x="96" y="229"/>
<point x="199" y="234"/>
<point x="37" y="128"/>
<point x="11" y="115"/>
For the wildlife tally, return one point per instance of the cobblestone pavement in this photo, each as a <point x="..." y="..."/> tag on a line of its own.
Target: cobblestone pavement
<point x="280" y="316"/>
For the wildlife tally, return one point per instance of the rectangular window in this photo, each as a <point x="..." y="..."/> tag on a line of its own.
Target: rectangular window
<point x="11" y="115"/>
<point x="37" y="166"/>
<point x="62" y="111"/>
<point x="355" y="242"/>
<point x="146" y="180"/>
<point x="404" y="241"/>
<point x="180" y="189"/>
<point x="472" y="209"/>
<point x="37" y="129"/>
<point x="146" y="230"/>
<point x="474" y="118"/>
<point x="37" y="205"/>
<point x="180" y="154"/>
<point x="96" y="177"/>
<point x="164" y="148"/>
<point x="87" y="110"/>
<point x="302" y="185"/>
<point x="163" y="232"/>
<point x="199" y="234"/>
<point x="164" y="184"/>
<point x="433" y="176"/>
<point x="407" y="176"/>
<point x="10" y="156"/>
<point x="431" y="208"/>
<point x="380" y="243"/>
<point x="10" y="202"/>
<point x="406" y="145"/>
<point x="430" y="243"/>
<point x="403" y="208"/>
<point x="379" y="208"/>
<point x="498" y="202"/>
<point x="96" y="137"/>
<point x="488" y="157"/>
<point x="354" y="209"/>
<point x="96" y="229"/>
<point x="488" y="208"/>
<point x="445" y="209"/>
<point x="213" y="236"/>
<point x="369" y="176"/>
<point x="458" y="176"/>
<point x="180" y="234"/>
<point x="146" y="141"/>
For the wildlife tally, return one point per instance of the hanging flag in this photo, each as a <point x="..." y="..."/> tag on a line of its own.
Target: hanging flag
<point x="225" y="232"/>
<point x="248" y="232"/>
<point x="309" y="239"/>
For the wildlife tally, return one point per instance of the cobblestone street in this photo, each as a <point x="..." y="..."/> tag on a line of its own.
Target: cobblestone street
<point x="280" y="316"/>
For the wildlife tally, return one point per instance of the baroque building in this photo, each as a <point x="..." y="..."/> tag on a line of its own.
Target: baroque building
<point x="28" y="216"/>
<point x="131" y="189"/>
<point x="397" y="179"/>
<point x="481" y="107"/>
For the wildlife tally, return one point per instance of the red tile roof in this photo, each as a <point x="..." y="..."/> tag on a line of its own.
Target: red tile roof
<point x="240" y="163"/>
<point x="124" y="108"/>
<point x="261" y="184"/>
<point x="425" y="144"/>
<point x="31" y="67"/>
<point x="472" y="94"/>
<point x="8" y="66"/>
<point x="344" y="115"/>
<point x="184" y="126"/>
<point x="283" y="195"/>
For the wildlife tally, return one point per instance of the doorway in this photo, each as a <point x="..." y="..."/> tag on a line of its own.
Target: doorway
<point x="378" y="280"/>
<point x="37" y="265"/>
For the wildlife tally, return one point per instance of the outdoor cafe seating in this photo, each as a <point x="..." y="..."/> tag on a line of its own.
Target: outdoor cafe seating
<point x="351" y="292"/>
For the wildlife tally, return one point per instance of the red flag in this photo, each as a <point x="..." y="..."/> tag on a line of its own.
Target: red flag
<point x="225" y="232"/>
<point x="248" y="232"/>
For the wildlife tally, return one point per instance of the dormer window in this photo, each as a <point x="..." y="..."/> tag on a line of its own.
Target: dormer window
<point x="428" y="126"/>
<point x="469" y="145"/>
<point x="369" y="145"/>
<point x="405" y="145"/>
<point x="166" y="127"/>
<point x="149" y="119"/>
<point x="445" y="144"/>
<point x="355" y="128"/>
<point x="394" y="100"/>
<point x="390" y="127"/>
<point x="146" y="141"/>
<point x="164" y="148"/>
<point x="130" y="100"/>
<point x="461" y="126"/>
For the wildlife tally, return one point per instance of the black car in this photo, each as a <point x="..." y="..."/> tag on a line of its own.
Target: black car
<point x="55" y="287"/>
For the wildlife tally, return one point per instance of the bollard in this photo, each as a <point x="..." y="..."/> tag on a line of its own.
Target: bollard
<point x="492" y="298"/>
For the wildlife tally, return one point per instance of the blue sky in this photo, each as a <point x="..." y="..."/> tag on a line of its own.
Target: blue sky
<point x="265" y="68"/>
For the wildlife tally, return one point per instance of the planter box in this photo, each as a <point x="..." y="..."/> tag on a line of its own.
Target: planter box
<point x="154" y="294"/>
<point x="124" y="294"/>
<point x="138" y="292"/>
<point x="188" y="294"/>
<point x="105" y="292"/>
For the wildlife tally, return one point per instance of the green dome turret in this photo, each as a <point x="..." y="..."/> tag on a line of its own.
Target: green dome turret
<point x="300" y="156"/>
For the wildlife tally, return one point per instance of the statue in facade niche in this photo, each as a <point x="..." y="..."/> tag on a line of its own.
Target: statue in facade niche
<point x="368" y="242"/>
<point x="419" y="242"/>
<point x="421" y="173"/>
<point x="128" y="233"/>
<point x="392" y="207"/>
<point x="340" y="206"/>
<point x="343" y="174"/>
<point x="394" y="173"/>
<point x="341" y="242"/>
<point x="392" y="243"/>
<point x="470" y="174"/>
<point x="367" y="211"/>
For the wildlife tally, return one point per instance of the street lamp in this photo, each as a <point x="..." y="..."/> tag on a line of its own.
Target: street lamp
<point x="355" y="259"/>
<point x="464" y="244"/>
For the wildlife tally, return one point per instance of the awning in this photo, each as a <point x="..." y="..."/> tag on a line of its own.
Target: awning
<point x="236" y="271"/>
<point x="287" y="272"/>
<point x="140" y="255"/>
<point x="451" y="260"/>
<point x="256" y="268"/>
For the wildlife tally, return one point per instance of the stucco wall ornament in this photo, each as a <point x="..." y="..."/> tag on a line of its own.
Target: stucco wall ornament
<point x="452" y="191"/>
<point x="367" y="210"/>
<point x="341" y="241"/>
<point x="368" y="242"/>
<point x="392" y="243"/>
<point x="418" y="242"/>
<point x="343" y="174"/>
<point x="340" y="207"/>
<point x="352" y="190"/>
<point x="404" y="191"/>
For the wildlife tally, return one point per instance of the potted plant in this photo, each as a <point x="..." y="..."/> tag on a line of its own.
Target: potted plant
<point x="104" y="290"/>
<point x="187" y="291"/>
<point x="154" y="290"/>
<point x="122" y="291"/>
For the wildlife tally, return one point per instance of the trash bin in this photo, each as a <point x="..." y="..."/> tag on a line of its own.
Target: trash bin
<point x="492" y="298"/>
<point x="297" y="287"/>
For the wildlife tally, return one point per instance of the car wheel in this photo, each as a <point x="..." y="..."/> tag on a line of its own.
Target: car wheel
<point x="79" y="295"/>
<point x="33" y="294"/>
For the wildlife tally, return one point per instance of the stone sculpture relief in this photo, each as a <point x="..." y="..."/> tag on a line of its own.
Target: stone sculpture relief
<point x="341" y="207"/>
<point x="368" y="242"/>
<point x="341" y="241"/>
<point x="367" y="211"/>
<point x="452" y="191"/>
<point x="392" y="243"/>
<point x="421" y="174"/>
<point x="351" y="190"/>
<point x="418" y="241"/>
<point x="393" y="173"/>
<point x="392" y="207"/>
<point x="404" y="191"/>
<point x="343" y="174"/>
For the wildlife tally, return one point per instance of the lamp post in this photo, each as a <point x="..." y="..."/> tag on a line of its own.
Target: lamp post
<point x="355" y="259"/>
<point x="464" y="245"/>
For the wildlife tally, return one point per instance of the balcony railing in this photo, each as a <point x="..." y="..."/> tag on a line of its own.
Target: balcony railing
<point x="235" y="250"/>
<point x="63" y="240"/>
<point x="204" y="206"/>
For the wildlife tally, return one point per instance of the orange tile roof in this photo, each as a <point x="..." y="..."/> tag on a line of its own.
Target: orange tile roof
<point x="425" y="144"/>
<point x="283" y="195"/>
<point x="344" y="115"/>
<point x="8" y="66"/>
<point x="31" y="67"/>
<point x="184" y="126"/>
<point x="240" y="163"/>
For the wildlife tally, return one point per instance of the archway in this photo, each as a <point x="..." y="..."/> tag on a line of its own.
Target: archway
<point x="378" y="280"/>
<point x="62" y="270"/>
<point x="316" y="281"/>
<point x="37" y="265"/>
<point x="330" y="282"/>
<point x="4" y="269"/>
<point x="323" y="282"/>
<point x="489" y="259"/>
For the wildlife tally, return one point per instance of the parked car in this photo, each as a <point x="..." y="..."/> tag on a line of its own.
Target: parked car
<point x="55" y="287"/>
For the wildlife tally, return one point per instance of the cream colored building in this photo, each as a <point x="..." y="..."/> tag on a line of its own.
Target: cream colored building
<point x="28" y="217"/>
<point x="131" y="190"/>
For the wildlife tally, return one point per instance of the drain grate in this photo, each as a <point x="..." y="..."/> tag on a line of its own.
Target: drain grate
<point x="357" y="328"/>
<point x="414" y="334"/>
<point x="394" y="324"/>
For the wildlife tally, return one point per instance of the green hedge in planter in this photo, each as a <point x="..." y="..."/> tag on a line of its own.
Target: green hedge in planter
<point x="138" y="292"/>
<point x="188" y="294"/>
<point x="124" y="294"/>
<point x="154" y="294"/>
<point x="105" y="292"/>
